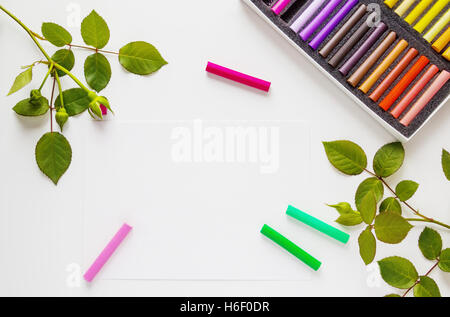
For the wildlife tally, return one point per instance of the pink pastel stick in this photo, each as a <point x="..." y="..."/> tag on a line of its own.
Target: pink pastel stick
<point x="414" y="91"/>
<point x="423" y="100"/>
<point x="107" y="252"/>
<point x="280" y="5"/>
<point x="238" y="77"/>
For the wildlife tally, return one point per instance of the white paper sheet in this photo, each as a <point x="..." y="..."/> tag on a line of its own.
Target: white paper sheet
<point x="197" y="194"/>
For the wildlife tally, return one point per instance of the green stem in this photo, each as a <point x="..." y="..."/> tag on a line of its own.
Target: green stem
<point x="430" y="221"/>
<point x="60" y="89"/>
<point x="34" y="64"/>
<point x="51" y="105"/>
<point x="92" y="49"/>
<point x="50" y="61"/>
<point x="38" y="36"/>
<point x="31" y="33"/>
<point x="46" y="77"/>
<point x="79" y="83"/>
<point x="416" y="219"/>
<point x="424" y="218"/>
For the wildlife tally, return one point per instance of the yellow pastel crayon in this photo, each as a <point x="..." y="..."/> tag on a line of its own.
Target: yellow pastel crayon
<point x="430" y="15"/>
<point x="437" y="27"/>
<point x="442" y="41"/>
<point x="390" y="3"/>
<point x="404" y="6"/>
<point x="446" y="54"/>
<point x="417" y="11"/>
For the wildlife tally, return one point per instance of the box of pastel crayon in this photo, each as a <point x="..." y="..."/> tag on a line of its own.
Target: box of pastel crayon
<point x="391" y="57"/>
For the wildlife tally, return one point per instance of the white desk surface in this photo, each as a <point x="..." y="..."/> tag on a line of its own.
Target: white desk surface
<point x="42" y="226"/>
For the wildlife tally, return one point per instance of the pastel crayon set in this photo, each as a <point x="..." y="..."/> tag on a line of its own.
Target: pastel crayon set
<point x="389" y="66"/>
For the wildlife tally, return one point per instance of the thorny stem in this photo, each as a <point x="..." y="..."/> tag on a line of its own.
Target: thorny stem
<point x="92" y="49"/>
<point x="51" y="105"/>
<point x="415" y="211"/>
<point x="418" y="280"/>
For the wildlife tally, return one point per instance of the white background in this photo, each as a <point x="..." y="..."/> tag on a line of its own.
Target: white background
<point x="42" y="226"/>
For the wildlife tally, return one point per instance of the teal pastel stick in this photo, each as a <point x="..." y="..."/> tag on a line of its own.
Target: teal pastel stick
<point x="318" y="224"/>
<point x="291" y="247"/>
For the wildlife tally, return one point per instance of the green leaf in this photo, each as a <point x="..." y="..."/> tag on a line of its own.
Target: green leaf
<point x="444" y="260"/>
<point x="97" y="71"/>
<point x="53" y="155"/>
<point x="76" y="101"/>
<point x="346" y="156"/>
<point x="95" y="31"/>
<point x="392" y="295"/>
<point x="430" y="243"/>
<point x="391" y="204"/>
<point x="398" y="272"/>
<point x="141" y="58"/>
<point x="446" y="163"/>
<point x="348" y="216"/>
<point x="373" y="185"/>
<point x="367" y="246"/>
<point x="368" y="208"/>
<point x="21" y="80"/>
<point x="391" y="227"/>
<point x="65" y="58"/>
<point x="56" y="34"/>
<point x="406" y="189"/>
<point x="389" y="159"/>
<point x="26" y="108"/>
<point x="426" y="287"/>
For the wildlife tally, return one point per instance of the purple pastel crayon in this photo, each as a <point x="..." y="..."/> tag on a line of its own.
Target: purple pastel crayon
<point x="353" y="60"/>
<point x="306" y="15"/>
<point x="318" y="20"/>
<point x="332" y="24"/>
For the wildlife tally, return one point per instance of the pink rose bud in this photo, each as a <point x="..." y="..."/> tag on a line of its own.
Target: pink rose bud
<point x="104" y="110"/>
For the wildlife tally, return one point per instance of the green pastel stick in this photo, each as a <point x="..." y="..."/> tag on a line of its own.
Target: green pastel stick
<point x="291" y="247"/>
<point x="318" y="224"/>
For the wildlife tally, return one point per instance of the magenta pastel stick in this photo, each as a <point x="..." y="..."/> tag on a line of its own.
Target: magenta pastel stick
<point x="318" y="20"/>
<point x="237" y="76"/>
<point x="280" y="5"/>
<point x="107" y="252"/>
<point x="332" y="24"/>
